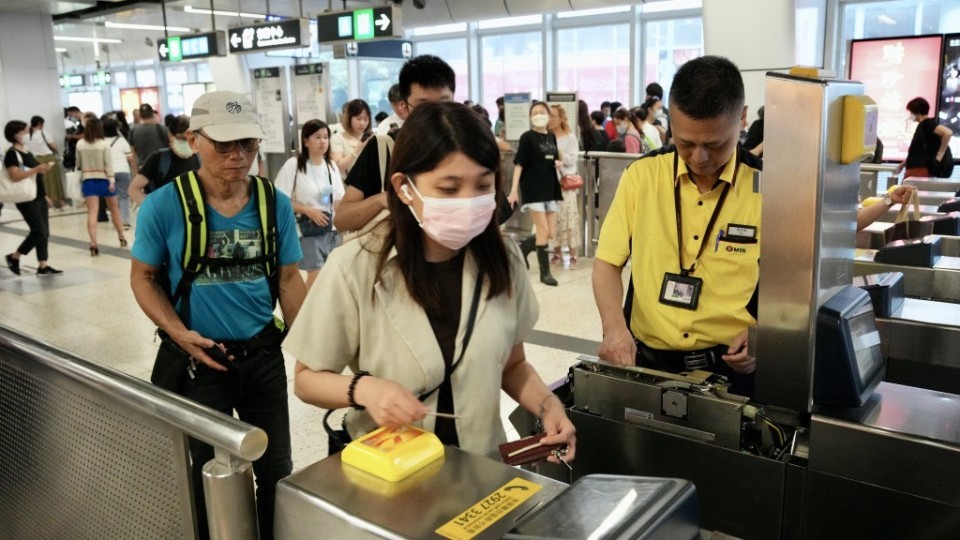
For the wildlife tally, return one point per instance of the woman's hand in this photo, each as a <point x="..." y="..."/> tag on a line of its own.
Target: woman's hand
<point x="513" y="198"/>
<point x="559" y="428"/>
<point x="389" y="403"/>
<point x="318" y="216"/>
<point x="113" y="186"/>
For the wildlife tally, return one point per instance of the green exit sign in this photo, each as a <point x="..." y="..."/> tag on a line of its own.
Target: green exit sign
<point x="359" y="25"/>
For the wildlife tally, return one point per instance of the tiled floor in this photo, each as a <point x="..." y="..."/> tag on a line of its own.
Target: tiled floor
<point x="90" y="311"/>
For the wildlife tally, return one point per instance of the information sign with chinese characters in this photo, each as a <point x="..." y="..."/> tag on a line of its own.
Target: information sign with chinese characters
<point x="284" y="34"/>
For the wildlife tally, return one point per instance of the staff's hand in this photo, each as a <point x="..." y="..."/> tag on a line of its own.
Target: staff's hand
<point x="194" y="344"/>
<point x="738" y="357"/>
<point x="618" y="347"/>
<point x="389" y="403"/>
<point x="559" y="429"/>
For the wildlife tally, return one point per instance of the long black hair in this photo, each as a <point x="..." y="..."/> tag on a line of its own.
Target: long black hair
<point x="309" y="128"/>
<point x="433" y="132"/>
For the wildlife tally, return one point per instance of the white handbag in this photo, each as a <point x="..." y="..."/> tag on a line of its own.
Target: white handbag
<point x="17" y="192"/>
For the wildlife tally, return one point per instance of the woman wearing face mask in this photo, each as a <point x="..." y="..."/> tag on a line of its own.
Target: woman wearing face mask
<point x="315" y="189"/>
<point x="166" y="164"/>
<point x="435" y="268"/>
<point x="22" y="166"/>
<point x="95" y="163"/>
<point x="652" y="133"/>
<point x="347" y="144"/>
<point x="628" y="130"/>
<point x="536" y="183"/>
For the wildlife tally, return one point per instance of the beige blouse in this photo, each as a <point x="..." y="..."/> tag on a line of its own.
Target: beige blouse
<point x="94" y="160"/>
<point x="349" y="320"/>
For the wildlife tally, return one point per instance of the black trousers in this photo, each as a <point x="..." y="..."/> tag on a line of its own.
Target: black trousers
<point x="37" y="216"/>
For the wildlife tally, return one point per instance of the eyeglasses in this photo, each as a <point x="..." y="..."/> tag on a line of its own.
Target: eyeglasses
<point x="226" y="147"/>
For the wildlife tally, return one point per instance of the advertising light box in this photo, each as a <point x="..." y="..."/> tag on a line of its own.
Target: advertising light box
<point x="950" y="90"/>
<point x="894" y="71"/>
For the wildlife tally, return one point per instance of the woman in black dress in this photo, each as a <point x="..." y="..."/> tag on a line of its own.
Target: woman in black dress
<point x="536" y="183"/>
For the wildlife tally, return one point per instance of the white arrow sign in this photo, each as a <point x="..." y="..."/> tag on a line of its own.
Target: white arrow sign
<point x="383" y="22"/>
<point x="164" y="50"/>
<point x="234" y="40"/>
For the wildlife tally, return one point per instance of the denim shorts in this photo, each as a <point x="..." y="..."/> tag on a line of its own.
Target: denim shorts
<point x="549" y="206"/>
<point x="97" y="188"/>
<point x="316" y="249"/>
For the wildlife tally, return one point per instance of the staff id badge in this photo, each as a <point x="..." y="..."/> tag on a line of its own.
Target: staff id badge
<point x="680" y="291"/>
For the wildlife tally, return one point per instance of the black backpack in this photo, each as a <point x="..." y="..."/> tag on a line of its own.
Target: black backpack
<point x="942" y="168"/>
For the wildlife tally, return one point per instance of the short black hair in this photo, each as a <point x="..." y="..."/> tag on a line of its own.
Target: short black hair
<point x="381" y="116"/>
<point x="918" y="105"/>
<point x="179" y="125"/>
<point x="654" y="89"/>
<point x="617" y="145"/>
<point x="597" y="117"/>
<point x="111" y="128"/>
<point x="605" y="105"/>
<point x="615" y="105"/>
<point x="708" y="87"/>
<point x="393" y="95"/>
<point x="12" y="128"/>
<point x="428" y="71"/>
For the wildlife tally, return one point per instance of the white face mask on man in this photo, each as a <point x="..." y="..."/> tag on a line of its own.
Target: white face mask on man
<point x="454" y="222"/>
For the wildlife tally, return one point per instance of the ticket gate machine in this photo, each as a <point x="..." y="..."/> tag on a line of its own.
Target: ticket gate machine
<point x="860" y="459"/>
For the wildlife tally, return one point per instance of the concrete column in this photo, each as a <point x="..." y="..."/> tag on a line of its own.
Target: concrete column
<point x="29" y="79"/>
<point x="757" y="35"/>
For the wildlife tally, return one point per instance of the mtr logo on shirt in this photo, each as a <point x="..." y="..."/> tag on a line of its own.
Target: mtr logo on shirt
<point x="735" y="249"/>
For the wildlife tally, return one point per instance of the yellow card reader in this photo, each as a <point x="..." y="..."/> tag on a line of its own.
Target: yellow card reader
<point x="393" y="453"/>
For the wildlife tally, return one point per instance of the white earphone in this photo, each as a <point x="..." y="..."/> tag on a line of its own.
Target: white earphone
<point x="406" y="192"/>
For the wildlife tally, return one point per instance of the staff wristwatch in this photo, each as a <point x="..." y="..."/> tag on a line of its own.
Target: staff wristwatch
<point x="887" y="201"/>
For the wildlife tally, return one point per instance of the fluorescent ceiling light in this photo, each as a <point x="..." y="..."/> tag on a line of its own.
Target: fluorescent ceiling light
<point x="110" y="24"/>
<point x="87" y="39"/>
<point x="589" y="12"/>
<point x="59" y="49"/>
<point x="201" y="11"/>
<point x="671" y="5"/>
<point x="511" y="21"/>
<point x="440" y="29"/>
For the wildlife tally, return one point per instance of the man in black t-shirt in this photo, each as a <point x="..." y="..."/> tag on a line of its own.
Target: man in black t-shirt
<point x="166" y="164"/>
<point x="423" y="79"/>
<point x="148" y="136"/>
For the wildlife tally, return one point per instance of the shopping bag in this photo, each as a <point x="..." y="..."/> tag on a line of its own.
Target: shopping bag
<point x="17" y="192"/>
<point x="907" y="227"/>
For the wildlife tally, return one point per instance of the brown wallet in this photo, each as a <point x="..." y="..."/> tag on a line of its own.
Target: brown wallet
<point x="527" y="450"/>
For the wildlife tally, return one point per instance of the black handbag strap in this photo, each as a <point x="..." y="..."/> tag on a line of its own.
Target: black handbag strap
<point x="471" y="319"/>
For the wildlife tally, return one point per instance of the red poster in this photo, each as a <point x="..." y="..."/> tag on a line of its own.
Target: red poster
<point x="894" y="71"/>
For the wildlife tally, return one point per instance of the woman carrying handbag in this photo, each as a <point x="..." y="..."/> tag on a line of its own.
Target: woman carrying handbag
<point x="315" y="189"/>
<point x="22" y="166"/>
<point x="568" y="218"/>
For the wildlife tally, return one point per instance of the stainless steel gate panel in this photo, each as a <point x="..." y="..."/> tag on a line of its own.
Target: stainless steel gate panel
<point x="75" y="465"/>
<point x="903" y="439"/>
<point x="942" y="282"/>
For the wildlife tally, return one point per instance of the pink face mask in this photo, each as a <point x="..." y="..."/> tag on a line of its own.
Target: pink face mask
<point x="453" y="223"/>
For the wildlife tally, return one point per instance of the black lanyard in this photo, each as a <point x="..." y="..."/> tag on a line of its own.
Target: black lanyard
<point x="710" y="224"/>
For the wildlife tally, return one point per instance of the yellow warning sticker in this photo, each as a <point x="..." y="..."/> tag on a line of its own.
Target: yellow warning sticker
<point x="487" y="511"/>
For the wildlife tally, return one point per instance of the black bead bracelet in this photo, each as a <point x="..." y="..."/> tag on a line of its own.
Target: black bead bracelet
<point x="353" y="387"/>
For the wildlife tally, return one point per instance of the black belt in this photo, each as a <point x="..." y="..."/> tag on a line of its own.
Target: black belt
<point x="270" y="336"/>
<point x="677" y="361"/>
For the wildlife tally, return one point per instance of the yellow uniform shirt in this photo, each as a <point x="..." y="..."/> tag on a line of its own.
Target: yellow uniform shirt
<point x="642" y="221"/>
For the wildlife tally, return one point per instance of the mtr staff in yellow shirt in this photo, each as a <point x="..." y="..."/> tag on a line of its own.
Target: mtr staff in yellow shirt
<point x="689" y="216"/>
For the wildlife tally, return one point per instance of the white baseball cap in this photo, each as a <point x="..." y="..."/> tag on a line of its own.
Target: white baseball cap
<point x="225" y="116"/>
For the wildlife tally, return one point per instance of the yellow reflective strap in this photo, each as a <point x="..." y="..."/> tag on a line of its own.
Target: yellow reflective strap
<point x="202" y="210"/>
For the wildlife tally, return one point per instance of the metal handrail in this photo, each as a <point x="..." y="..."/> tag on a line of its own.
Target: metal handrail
<point x="614" y="155"/>
<point x="877" y="167"/>
<point x="219" y="430"/>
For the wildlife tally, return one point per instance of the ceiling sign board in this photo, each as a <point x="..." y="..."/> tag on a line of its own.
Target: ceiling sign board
<point x="388" y="48"/>
<point x="69" y="81"/>
<point x="180" y="48"/>
<point x="284" y="34"/>
<point x="359" y="25"/>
